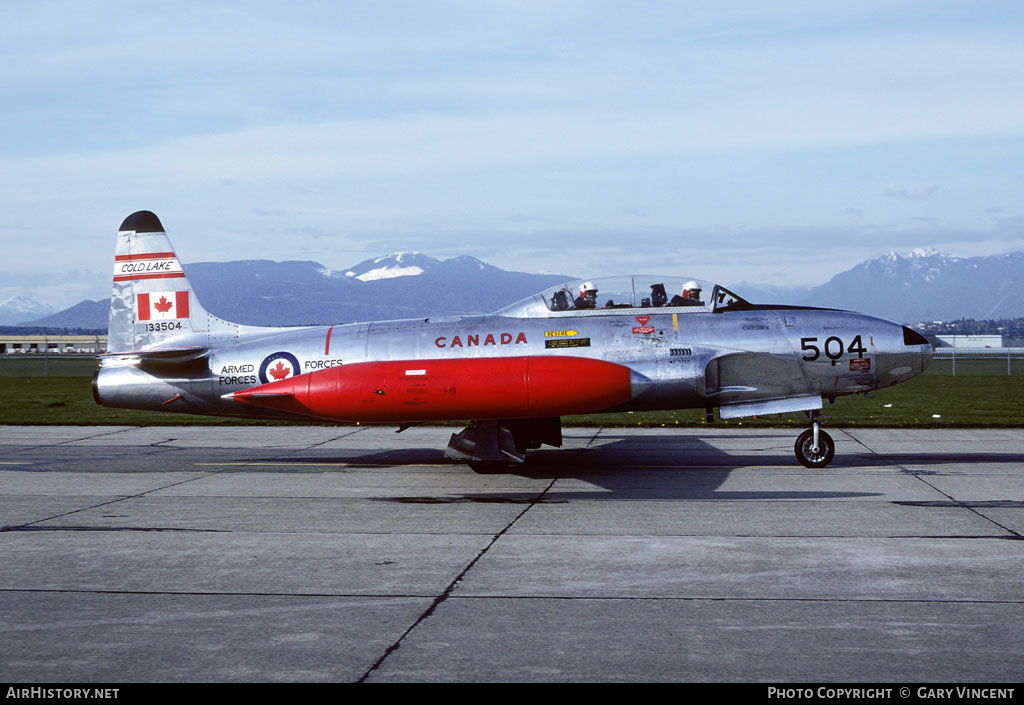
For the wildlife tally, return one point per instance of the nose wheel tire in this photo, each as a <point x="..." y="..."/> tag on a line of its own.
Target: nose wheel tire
<point x="812" y="457"/>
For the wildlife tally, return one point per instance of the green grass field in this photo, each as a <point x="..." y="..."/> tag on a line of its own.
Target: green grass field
<point x="58" y="391"/>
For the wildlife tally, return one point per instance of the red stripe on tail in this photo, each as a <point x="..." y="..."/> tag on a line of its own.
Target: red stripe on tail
<point x="181" y="304"/>
<point x="142" y="307"/>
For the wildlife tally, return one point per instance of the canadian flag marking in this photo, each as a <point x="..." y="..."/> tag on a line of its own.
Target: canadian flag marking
<point x="162" y="306"/>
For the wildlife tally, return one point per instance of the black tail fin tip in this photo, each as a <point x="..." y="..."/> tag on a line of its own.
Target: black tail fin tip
<point x="142" y="222"/>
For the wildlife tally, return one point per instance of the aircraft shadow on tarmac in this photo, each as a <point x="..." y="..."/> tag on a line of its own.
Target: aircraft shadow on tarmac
<point x="625" y="453"/>
<point x="623" y="467"/>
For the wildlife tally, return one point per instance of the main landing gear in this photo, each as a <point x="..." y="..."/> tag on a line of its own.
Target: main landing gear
<point x="491" y="446"/>
<point x="814" y="448"/>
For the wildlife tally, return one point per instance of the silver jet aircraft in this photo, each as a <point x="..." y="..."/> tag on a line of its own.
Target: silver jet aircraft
<point x="629" y="343"/>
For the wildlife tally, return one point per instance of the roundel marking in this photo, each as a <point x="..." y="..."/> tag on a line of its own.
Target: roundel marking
<point x="278" y="366"/>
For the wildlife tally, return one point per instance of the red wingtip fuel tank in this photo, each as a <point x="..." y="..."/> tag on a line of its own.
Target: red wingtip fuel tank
<point x="434" y="390"/>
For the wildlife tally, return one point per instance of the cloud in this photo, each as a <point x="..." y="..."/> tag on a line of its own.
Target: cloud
<point x="601" y="134"/>
<point x="271" y="212"/>
<point x="911" y="194"/>
<point x="54" y="287"/>
<point x="761" y="255"/>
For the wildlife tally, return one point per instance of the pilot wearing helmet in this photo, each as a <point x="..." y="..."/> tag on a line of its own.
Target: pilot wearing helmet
<point x="690" y="297"/>
<point x="587" y="297"/>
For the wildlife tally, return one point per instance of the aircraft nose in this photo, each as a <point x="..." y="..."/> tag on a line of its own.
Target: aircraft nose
<point x="902" y="353"/>
<point x="920" y="349"/>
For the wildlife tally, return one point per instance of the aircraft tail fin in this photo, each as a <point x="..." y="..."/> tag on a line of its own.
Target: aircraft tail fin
<point x="153" y="304"/>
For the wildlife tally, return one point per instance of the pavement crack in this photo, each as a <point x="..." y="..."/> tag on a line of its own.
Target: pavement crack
<point x="23" y="527"/>
<point x="970" y="506"/>
<point x="107" y="528"/>
<point x="349" y="432"/>
<point x="452" y="585"/>
<point x="27" y="449"/>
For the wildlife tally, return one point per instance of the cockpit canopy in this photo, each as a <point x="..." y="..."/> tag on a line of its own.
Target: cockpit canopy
<point x="636" y="292"/>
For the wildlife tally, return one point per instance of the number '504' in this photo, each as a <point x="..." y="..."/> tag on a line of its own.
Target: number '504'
<point x="832" y="347"/>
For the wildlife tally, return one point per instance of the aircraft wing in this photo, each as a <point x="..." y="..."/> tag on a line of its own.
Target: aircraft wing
<point x="738" y="410"/>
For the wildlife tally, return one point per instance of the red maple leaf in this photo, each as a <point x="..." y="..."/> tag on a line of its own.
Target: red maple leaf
<point x="163" y="305"/>
<point x="280" y="372"/>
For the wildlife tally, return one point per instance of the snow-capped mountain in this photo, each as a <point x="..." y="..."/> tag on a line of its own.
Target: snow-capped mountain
<point x="396" y="264"/>
<point x="87" y="315"/>
<point x="378" y="289"/>
<point x="928" y="285"/>
<point x="18" y="308"/>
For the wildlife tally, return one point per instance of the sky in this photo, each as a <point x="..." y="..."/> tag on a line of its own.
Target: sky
<point x="768" y="143"/>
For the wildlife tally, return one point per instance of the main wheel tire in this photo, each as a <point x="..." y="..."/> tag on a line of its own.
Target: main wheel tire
<point x="805" y="453"/>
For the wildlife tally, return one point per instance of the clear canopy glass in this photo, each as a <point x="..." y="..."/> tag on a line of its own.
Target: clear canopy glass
<point x="608" y="295"/>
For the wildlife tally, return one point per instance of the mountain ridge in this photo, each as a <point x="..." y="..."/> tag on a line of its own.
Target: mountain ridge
<point x="928" y="286"/>
<point x="923" y="285"/>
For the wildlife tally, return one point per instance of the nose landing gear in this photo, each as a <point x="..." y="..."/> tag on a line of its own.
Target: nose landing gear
<point x="814" y="448"/>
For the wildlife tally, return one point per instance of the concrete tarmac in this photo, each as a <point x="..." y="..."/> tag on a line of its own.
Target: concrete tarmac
<point x="354" y="554"/>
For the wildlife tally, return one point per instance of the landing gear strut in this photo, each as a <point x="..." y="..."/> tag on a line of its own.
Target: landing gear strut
<point x="814" y="448"/>
<point x="491" y="446"/>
